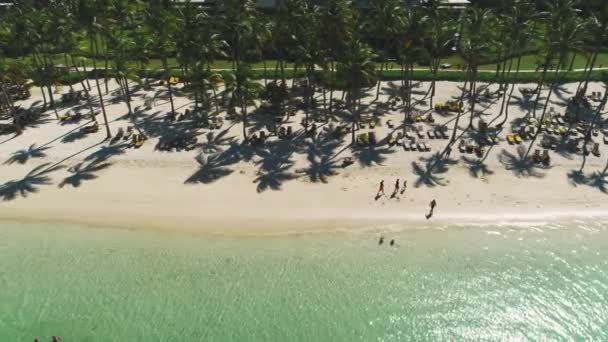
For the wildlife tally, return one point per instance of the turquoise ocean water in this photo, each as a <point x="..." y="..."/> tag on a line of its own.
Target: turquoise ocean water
<point x="529" y="282"/>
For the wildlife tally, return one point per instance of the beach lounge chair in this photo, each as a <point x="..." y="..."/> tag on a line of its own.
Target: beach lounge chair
<point x="128" y="133"/>
<point x="406" y="145"/>
<point x="363" y="139"/>
<point x="391" y="140"/>
<point x="389" y="124"/>
<point x="546" y="158"/>
<point x="426" y="147"/>
<point x="119" y="134"/>
<point x="462" y="146"/>
<point x="518" y="139"/>
<point x="596" y="149"/>
<point x="413" y="146"/>
<point x="469" y="148"/>
<point x="90" y="129"/>
<point x="139" y="141"/>
<point x="419" y="147"/>
<point x="511" y="139"/>
<point x="536" y="157"/>
<point x="64" y="117"/>
<point x="431" y="134"/>
<point x="420" y="133"/>
<point x="347" y="161"/>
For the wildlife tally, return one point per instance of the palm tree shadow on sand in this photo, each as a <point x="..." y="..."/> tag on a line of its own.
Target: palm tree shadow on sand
<point x="430" y="170"/>
<point x="32" y="152"/>
<point x="371" y="155"/>
<point x="520" y="164"/>
<point x="29" y="184"/>
<point x="320" y="152"/>
<point x="477" y="167"/>
<point x="82" y="172"/>
<point x="597" y="179"/>
<point x="275" y="165"/>
<point x="213" y="167"/>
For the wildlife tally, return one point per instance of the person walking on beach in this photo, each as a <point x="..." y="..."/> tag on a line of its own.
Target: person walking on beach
<point x="396" y="191"/>
<point x="433" y="204"/>
<point x="380" y="189"/>
<point x="404" y="187"/>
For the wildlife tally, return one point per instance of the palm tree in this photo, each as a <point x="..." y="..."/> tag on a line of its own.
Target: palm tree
<point x="474" y="45"/>
<point x="240" y="15"/>
<point x="87" y="15"/>
<point x="564" y="33"/>
<point x="595" y="41"/>
<point x="409" y="51"/>
<point x="162" y="23"/>
<point x="518" y="23"/>
<point x="438" y="38"/>
<point x="384" y="24"/>
<point x="357" y="69"/>
<point x="337" y="26"/>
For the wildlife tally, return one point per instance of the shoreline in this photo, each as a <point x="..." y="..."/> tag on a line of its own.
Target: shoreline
<point x="243" y="227"/>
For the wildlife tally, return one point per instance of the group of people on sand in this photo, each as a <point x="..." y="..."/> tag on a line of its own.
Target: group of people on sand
<point x="381" y="193"/>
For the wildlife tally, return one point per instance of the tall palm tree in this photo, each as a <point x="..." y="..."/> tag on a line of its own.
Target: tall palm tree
<point x="162" y="23"/>
<point x="410" y="50"/>
<point x="595" y="41"/>
<point x="357" y="69"/>
<point x="337" y="26"/>
<point x="517" y="20"/>
<point x="87" y="15"/>
<point x="239" y="16"/>
<point x="439" y="36"/>
<point x="384" y="24"/>
<point x="564" y="33"/>
<point x="475" y="41"/>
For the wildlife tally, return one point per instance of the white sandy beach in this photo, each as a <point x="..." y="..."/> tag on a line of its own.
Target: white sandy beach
<point x="282" y="187"/>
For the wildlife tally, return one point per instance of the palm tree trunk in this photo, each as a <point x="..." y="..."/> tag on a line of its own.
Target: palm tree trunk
<point x="511" y="93"/>
<point x="86" y="73"/>
<point x="265" y="72"/>
<point x="504" y="95"/>
<point x="572" y="61"/>
<point x="587" y="64"/>
<point x="382" y="64"/>
<point x="331" y="87"/>
<point x="103" y="107"/>
<point x="588" y="76"/>
<point x="542" y="117"/>
<point x="473" y="95"/>
<point x="84" y="87"/>
<point x="44" y="102"/>
<point x="295" y="73"/>
<point x="106" y="67"/>
<point x="542" y="83"/>
<point x="167" y="79"/>
<point x="67" y="66"/>
<point x="434" y="66"/>
<point x="455" y="131"/>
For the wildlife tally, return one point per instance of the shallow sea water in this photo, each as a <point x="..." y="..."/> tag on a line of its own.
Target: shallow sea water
<point x="508" y="282"/>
